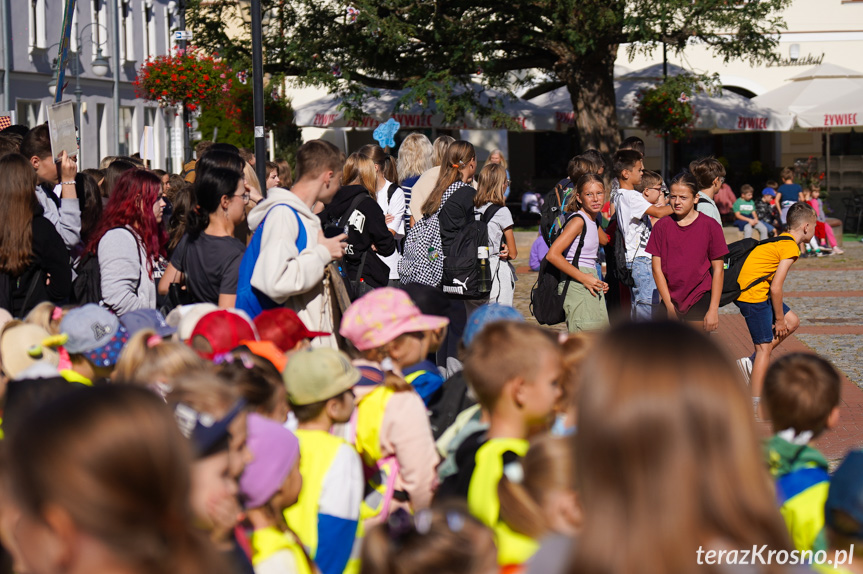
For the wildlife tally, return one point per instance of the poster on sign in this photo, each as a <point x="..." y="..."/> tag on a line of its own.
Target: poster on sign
<point x="61" y="128"/>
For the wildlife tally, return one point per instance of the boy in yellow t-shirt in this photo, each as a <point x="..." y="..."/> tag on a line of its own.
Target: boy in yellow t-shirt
<point x="768" y="318"/>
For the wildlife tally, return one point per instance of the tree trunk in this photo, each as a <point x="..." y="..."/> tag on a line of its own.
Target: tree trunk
<point x="591" y="88"/>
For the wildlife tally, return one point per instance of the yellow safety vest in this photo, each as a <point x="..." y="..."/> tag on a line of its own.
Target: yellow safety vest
<point x="318" y="450"/>
<point x="380" y="472"/>
<point x="267" y="541"/>
<point x="484" y="504"/>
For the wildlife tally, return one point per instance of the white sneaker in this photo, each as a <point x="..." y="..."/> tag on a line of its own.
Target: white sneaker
<point x="745" y="366"/>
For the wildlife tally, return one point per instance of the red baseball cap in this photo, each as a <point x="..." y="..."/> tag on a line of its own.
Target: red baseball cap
<point x="223" y="331"/>
<point x="284" y="328"/>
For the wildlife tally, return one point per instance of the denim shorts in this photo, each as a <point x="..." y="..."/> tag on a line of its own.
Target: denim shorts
<point x="760" y="319"/>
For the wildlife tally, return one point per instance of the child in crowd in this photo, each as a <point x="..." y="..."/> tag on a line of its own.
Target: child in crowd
<point x="443" y="539"/>
<point x="584" y="303"/>
<point x="221" y="331"/>
<point x="766" y="210"/>
<point x="258" y="382"/>
<point x="788" y="193"/>
<point x="761" y="281"/>
<point x="812" y="248"/>
<point x="326" y="515"/>
<point x="801" y="398"/>
<point x="271" y="483"/>
<point x="653" y="190"/>
<point x="665" y="430"/>
<point x="152" y="362"/>
<point x="745" y="215"/>
<point x="632" y="210"/>
<point x="843" y="515"/>
<point x="688" y="250"/>
<point x="513" y="368"/>
<point x="710" y="175"/>
<point x="100" y="481"/>
<point x="823" y="230"/>
<point x="95" y="338"/>
<point x="537" y="495"/>
<point x="501" y="239"/>
<point x="392" y="432"/>
<point x="211" y="414"/>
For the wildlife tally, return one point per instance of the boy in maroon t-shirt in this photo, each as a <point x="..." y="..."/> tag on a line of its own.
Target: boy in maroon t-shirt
<point x="687" y="250"/>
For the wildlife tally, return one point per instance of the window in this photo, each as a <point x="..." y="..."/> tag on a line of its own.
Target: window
<point x="127" y="37"/>
<point x="102" y="124"/>
<point x="36" y="22"/>
<point x="156" y="162"/>
<point x="128" y="131"/>
<point x="149" y="20"/>
<point x="29" y="112"/>
<point x="99" y="30"/>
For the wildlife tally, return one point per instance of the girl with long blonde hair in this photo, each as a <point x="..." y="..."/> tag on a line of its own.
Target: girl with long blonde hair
<point x="502" y="247"/>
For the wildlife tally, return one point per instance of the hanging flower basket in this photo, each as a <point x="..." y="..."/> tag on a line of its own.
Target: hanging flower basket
<point x="190" y="78"/>
<point x="667" y="107"/>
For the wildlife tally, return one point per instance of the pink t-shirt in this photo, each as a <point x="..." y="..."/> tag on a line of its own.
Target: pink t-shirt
<point x="686" y="253"/>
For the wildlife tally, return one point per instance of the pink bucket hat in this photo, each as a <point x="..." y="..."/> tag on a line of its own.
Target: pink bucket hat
<point x="379" y="317"/>
<point x="275" y="450"/>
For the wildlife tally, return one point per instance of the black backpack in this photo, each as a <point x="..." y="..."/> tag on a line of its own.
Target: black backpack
<point x="621" y="271"/>
<point x="552" y="218"/>
<point x="461" y="265"/>
<point x="87" y="286"/>
<point x="737" y="254"/>
<point x="546" y="305"/>
<point x="445" y="405"/>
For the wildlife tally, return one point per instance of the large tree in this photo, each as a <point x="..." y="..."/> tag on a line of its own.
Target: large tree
<point x="436" y="48"/>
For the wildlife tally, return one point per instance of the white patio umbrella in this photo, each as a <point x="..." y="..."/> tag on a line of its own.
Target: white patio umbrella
<point x="821" y="97"/>
<point x="723" y="111"/>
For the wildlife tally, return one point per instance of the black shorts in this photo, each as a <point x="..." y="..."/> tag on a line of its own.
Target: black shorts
<point x="698" y="310"/>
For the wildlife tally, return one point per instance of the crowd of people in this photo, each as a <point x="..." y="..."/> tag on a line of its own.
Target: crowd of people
<point x="326" y="374"/>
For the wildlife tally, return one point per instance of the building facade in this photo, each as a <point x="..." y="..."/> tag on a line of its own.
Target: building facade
<point x="30" y="42"/>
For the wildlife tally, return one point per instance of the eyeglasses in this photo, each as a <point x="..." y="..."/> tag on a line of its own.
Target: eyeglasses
<point x="246" y="196"/>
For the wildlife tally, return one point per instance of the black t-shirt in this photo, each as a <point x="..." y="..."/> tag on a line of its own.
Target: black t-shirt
<point x="211" y="265"/>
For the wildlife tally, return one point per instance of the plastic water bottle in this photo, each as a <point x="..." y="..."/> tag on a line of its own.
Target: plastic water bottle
<point x="433" y="254"/>
<point x="484" y="270"/>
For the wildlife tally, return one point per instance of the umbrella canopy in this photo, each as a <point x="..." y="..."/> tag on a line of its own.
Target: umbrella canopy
<point x="325" y="112"/>
<point x="723" y="111"/>
<point x="822" y="96"/>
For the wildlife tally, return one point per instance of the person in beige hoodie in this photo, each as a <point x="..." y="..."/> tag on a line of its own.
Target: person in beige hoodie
<point x="282" y="272"/>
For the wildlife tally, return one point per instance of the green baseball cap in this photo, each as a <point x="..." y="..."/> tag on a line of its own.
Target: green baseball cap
<point x="319" y="374"/>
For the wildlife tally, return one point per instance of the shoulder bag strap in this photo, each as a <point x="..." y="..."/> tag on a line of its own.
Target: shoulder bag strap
<point x="577" y="254"/>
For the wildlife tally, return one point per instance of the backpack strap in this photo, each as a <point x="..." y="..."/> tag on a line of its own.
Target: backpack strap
<point x="763" y="242"/>
<point x="577" y="251"/>
<point x="391" y="191"/>
<point x="490" y="213"/>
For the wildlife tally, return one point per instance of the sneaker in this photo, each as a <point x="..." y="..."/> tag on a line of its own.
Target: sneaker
<point x="745" y="366"/>
<point x="838" y="251"/>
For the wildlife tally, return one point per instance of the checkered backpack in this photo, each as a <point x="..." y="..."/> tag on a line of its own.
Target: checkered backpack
<point x="422" y="260"/>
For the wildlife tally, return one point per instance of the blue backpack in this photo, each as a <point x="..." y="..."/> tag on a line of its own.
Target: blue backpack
<point x="250" y="299"/>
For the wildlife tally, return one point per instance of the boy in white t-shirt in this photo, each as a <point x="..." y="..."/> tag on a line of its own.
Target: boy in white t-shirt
<point x="632" y="211"/>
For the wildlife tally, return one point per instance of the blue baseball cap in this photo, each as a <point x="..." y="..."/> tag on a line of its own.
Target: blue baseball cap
<point x="488" y="313"/>
<point x="845" y="497"/>
<point x="768" y="191"/>
<point x="141" y="319"/>
<point x="207" y="434"/>
<point x="95" y="333"/>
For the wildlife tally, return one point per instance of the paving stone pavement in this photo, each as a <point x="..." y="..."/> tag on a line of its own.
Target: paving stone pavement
<point x="827" y="294"/>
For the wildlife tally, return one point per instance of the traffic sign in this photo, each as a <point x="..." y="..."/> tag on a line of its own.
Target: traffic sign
<point x="181" y="35"/>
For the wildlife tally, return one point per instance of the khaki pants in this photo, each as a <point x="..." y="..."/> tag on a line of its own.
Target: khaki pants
<point x="584" y="311"/>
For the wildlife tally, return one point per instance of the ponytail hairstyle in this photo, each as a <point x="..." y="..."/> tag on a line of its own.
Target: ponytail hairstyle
<point x="113" y="461"/>
<point x="547" y="468"/>
<point x="459" y="154"/>
<point x="360" y="170"/>
<point x="215" y="183"/>
<point x="574" y="204"/>
<point x="442" y="539"/>
<point x="492" y="183"/>
<point x="385" y="161"/>
<point x="685" y="179"/>
<point x="45" y="315"/>
<point x="148" y="360"/>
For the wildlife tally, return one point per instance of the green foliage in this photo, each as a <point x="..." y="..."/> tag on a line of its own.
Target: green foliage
<point x="439" y="49"/>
